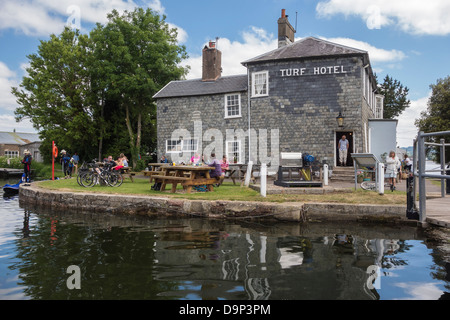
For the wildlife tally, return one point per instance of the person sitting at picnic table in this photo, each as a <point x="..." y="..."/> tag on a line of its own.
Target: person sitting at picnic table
<point x="110" y="163"/>
<point x="224" y="165"/>
<point x="124" y="160"/>
<point x="164" y="160"/>
<point x="217" y="172"/>
<point x="119" y="164"/>
<point x="195" y="159"/>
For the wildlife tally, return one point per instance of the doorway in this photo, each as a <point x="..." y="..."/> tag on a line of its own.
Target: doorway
<point x="349" y="136"/>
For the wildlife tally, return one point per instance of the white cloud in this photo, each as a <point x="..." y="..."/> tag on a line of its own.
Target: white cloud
<point x="43" y="17"/>
<point x="411" y="16"/>
<point x="406" y="130"/>
<point x="420" y="290"/>
<point x="8" y="123"/>
<point x="8" y="79"/>
<point x="375" y="54"/>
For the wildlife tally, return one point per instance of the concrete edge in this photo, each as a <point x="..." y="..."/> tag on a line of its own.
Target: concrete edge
<point x="164" y="206"/>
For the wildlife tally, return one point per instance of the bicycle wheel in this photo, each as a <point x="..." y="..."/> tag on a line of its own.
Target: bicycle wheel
<point x="88" y="179"/>
<point x="115" y="179"/>
<point x="80" y="174"/>
<point x="368" y="185"/>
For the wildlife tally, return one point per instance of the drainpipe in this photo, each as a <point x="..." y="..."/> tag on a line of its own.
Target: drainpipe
<point x="248" y="108"/>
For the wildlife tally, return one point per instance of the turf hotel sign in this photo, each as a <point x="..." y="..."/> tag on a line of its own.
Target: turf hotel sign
<point x="297" y="72"/>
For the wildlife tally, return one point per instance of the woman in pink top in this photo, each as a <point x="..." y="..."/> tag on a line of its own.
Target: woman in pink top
<point x="195" y="159"/>
<point x="224" y="164"/>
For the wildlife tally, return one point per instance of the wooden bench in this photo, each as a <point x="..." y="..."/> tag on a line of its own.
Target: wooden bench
<point x="186" y="182"/>
<point x="127" y="171"/>
<point x="169" y="180"/>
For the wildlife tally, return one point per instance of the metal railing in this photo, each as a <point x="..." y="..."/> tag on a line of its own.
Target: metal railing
<point x="420" y="172"/>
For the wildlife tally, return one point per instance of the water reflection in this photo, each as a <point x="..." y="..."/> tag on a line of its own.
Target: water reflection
<point x="137" y="258"/>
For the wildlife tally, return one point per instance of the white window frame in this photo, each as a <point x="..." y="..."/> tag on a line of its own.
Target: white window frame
<point x="254" y="84"/>
<point x="227" y="111"/>
<point x="181" y="145"/>
<point x="230" y="153"/>
<point x="188" y="143"/>
<point x="178" y="145"/>
<point x="11" y="154"/>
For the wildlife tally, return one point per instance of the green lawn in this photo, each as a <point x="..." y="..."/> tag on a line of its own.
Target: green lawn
<point x="228" y="191"/>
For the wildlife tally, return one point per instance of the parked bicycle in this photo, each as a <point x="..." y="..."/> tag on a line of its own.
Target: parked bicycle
<point x="372" y="186"/>
<point x="92" y="174"/>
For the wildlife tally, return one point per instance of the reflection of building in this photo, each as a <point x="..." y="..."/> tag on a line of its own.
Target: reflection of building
<point x="248" y="266"/>
<point x="13" y="144"/>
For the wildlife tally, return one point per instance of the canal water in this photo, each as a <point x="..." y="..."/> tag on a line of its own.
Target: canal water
<point x="48" y="254"/>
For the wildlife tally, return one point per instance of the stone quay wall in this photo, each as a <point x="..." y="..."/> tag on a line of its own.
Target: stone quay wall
<point x="166" y="206"/>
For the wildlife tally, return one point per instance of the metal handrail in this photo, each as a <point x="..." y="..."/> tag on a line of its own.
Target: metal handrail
<point x="419" y="168"/>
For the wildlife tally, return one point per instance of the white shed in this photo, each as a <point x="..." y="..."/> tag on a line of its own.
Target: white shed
<point x="382" y="137"/>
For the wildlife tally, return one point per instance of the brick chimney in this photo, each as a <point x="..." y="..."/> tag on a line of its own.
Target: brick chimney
<point x="285" y="30"/>
<point x="212" y="62"/>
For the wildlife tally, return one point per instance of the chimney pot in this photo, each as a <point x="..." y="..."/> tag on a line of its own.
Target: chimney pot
<point x="286" y="32"/>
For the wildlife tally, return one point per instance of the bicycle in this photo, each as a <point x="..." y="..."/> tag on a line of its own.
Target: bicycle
<point x="372" y="186"/>
<point x="97" y="175"/>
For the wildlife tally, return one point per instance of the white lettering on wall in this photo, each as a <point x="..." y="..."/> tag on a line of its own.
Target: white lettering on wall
<point x="296" y="72"/>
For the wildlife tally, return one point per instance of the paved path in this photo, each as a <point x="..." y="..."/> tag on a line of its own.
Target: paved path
<point x="437" y="208"/>
<point x="438" y="211"/>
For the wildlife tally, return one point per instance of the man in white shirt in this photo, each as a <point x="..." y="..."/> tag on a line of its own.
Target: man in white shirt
<point x="343" y="149"/>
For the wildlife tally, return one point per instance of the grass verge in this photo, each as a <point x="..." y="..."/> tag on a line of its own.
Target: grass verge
<point x="229" y="191"/>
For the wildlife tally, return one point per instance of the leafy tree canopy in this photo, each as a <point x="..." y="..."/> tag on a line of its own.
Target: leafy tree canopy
<point x="74" y="79"/>
<point x="395" y="97"/>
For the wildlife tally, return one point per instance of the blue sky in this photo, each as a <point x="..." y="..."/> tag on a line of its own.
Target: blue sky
<point x="407" y="39"/>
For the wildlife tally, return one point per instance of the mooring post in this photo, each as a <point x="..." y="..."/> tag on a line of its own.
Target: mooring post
<point x="248" y="175"/>
<point x="325" y="174"/>
<point x="380" y="177"/>
<point x="443" y="167"/>
<point x="263" y="177"/>
<point x="422" y="190"/>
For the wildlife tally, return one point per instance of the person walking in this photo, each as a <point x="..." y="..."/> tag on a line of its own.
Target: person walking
<point x="393" y="165"/>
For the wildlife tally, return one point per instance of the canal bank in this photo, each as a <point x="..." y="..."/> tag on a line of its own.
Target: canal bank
<point x="217" y="209"/>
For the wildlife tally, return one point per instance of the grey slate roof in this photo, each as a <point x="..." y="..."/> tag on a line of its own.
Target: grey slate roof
<point x="18" y="138"/>
<point x="306" y="48"/>
<point x="197" y="87"/>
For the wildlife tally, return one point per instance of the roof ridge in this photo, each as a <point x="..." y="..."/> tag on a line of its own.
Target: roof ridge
<point x="289" y="51"/>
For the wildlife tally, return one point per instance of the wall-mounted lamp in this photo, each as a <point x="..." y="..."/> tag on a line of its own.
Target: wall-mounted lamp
<point x="340" y="120"/>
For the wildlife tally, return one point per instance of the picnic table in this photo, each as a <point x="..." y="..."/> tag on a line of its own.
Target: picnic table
<point x="155" y="170"/>
<point x="187" y="176"/>
<point x="238" y="171"/>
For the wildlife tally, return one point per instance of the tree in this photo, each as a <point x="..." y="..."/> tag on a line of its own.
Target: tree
<point x="138" y="55"/>
<point x="75" y="79"/>
<point x="56" y="92"/>
<point x="395" y="98"/>
<point x="437" y="116"/>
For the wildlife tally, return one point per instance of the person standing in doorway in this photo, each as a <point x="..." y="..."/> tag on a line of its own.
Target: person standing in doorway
<point x="343" y="149"/>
